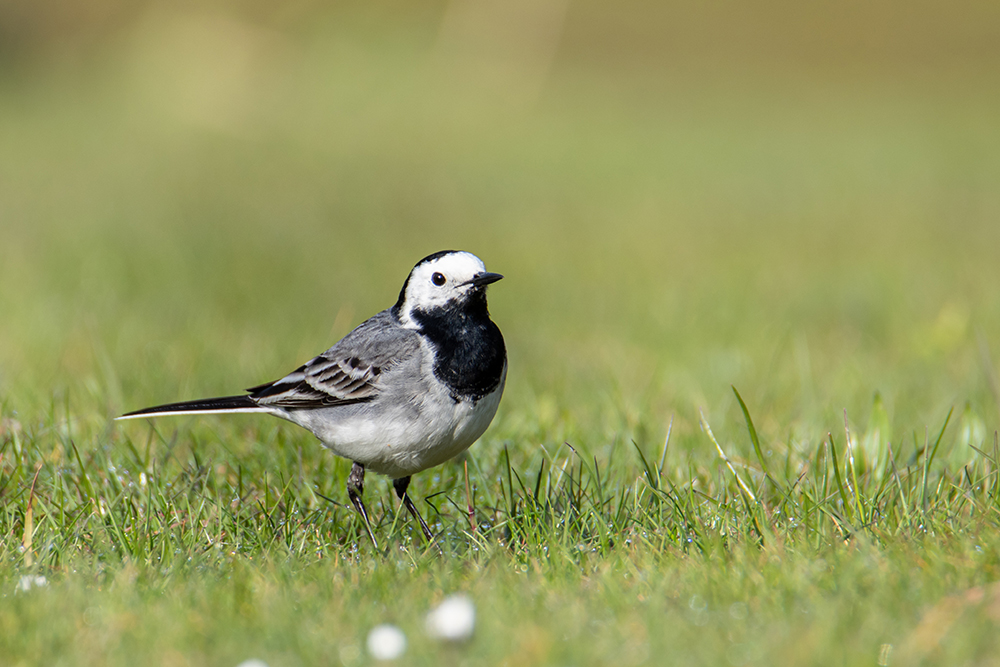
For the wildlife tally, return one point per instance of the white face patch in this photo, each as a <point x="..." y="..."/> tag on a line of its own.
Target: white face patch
<point x="439" y="281"/>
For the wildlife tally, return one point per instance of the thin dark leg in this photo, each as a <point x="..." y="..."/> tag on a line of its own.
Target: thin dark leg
<point x="356" y="487"/>
<point x="400" y="486"/>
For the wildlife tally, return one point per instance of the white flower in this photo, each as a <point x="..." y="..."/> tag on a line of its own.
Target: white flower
<point x="253" y="662"/>
<point x="453" y="620"/>
<point x="30" y="581"/>
<point x="386" y="642"/>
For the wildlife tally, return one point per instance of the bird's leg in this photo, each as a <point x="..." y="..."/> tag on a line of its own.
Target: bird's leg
<point x="400" y="486"/>
<point x="356" y="487"/>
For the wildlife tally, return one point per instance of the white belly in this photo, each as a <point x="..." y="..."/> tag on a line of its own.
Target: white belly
<point x="399" y="436"/>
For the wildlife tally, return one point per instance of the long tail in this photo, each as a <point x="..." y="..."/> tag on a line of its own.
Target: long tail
<point x="200" y="407"/>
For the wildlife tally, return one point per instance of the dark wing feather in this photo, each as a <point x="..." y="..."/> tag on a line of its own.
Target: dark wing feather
<point x="349" y="372"/>
<point x="322" y="382"/>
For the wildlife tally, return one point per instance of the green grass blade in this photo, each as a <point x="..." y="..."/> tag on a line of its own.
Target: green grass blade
<point x="651" y="477"/>
<point x="836" y="473"/>
<point x="722" y="455"/>
<point x="753" y="432"/>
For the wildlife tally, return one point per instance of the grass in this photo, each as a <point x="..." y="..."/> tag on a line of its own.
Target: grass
<point x="752" y="321"/>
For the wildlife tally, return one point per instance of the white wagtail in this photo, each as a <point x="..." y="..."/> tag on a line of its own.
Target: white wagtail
<point x="407" y="390"/>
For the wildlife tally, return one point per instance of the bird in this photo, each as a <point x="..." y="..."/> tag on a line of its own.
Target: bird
<point x="408" y="389"/>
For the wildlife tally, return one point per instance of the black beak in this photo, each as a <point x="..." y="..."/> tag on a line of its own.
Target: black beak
<point x="484" y="279"/>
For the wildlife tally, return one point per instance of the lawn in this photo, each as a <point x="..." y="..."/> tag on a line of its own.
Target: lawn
<point x="751" y="306"/>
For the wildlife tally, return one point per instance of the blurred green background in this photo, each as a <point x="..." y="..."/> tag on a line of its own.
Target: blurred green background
<point x="799" y="199"/>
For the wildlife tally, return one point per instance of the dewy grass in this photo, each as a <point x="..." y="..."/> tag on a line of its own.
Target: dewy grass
<point x="142" y="507"/>
<point x="133" y="537"/>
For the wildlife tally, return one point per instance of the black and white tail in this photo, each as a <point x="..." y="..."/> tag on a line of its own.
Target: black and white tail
<point x="205" y="406"/>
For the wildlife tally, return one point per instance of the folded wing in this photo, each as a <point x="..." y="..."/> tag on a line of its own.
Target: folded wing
<point x="349" y="372"/>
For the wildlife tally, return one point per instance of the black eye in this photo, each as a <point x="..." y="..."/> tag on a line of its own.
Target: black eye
<point x="438" y="279"/>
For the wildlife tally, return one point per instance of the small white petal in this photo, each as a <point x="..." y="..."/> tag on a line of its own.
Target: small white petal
<point x="453" y="620"/>
<point x="253" y="662"/>
<point x="386" y="642"/>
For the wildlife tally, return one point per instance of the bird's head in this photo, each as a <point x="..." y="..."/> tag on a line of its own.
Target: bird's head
<point x="446" y="279"/>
